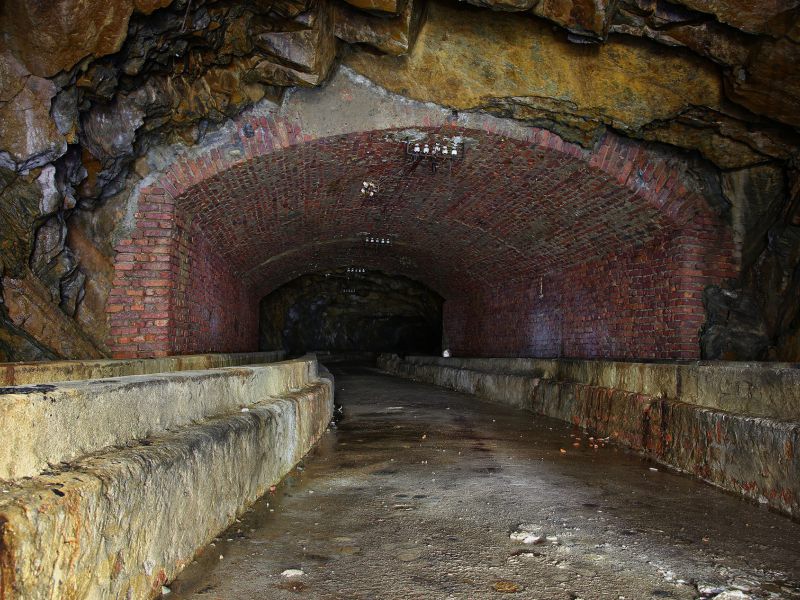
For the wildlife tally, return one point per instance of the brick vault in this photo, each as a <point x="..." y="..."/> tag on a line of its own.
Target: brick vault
<point x="539" y="247"/>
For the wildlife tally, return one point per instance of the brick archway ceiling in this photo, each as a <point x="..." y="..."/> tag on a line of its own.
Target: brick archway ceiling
<point x="511" y="209"/>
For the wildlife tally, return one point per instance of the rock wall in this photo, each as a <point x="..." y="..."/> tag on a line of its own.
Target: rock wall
<point x="95" y="96"/>
<point x="341" y="311"/>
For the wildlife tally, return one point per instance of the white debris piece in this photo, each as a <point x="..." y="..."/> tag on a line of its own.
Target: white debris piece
<point x="292" y="573"/>
<point x="732" y="595"/>
<point x="527" y="534"/>
<point x="708" y="589"/>
<point x="165" y="590"/>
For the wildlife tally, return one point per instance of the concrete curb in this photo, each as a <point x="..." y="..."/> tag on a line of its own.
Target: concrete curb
<point x="121" y="524"/>
<point x="756" y="457"/>
<point x="32" y="373"/>
<point x="45" y="425"/>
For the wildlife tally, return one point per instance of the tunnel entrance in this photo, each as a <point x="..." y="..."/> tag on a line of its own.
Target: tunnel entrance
<point x="522" y="228"/>
<point x="351" y="309"/>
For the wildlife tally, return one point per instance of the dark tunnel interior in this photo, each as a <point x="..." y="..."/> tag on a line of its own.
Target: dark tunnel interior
<point x="351" y="310"/>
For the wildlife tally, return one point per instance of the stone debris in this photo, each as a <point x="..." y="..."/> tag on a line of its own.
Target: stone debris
<point x="527" y="534"/>
<point x="732" y="595"/>
<point x="507" y="587"/>
<point x="289" y="573"/>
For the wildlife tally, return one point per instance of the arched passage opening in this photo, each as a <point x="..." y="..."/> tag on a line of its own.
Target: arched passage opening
<point x="351" y="310"/>
<point x="538" y="247"/>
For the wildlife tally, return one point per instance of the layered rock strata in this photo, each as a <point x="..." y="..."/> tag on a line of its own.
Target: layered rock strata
<point x="88" y="90"/>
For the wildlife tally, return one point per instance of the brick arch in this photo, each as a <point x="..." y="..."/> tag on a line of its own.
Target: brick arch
<point x="615" y="226"/>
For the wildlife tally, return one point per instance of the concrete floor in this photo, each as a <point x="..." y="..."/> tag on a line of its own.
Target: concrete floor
<point x="419" y="491"/>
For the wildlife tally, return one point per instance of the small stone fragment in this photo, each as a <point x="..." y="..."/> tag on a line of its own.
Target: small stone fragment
<point x="292" y="573"/>
<point x="507" y="587"/>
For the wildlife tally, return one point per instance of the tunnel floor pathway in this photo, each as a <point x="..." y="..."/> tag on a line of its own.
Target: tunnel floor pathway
<point x="426" y="493"/>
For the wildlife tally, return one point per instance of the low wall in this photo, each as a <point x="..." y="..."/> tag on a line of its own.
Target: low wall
<point x="119" y="522"/>
<point x="754" y="456"/>
<point x="47" y="424"/>
<point x="28" y="373"/>
<point x="754" y="389"/>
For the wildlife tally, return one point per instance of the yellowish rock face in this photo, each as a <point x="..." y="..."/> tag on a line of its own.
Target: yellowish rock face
<point x="466" y="58"/>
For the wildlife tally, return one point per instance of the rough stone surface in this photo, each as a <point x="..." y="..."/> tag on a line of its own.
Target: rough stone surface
<point x="526" y="70"/>
<point x="393" y="34"/>
<point x="385" y="6"/>
<point x="53" y="36"/>
<point x="50" y="424"/>
<point x="29" y="136"/>
<point x="142" y="512"/>
<point x="768" y="83"/>
<point x="28" y="305"/>
<point x="752" y="456"/>
<point x="583" y="17"/>
<point x="753" y="18"/>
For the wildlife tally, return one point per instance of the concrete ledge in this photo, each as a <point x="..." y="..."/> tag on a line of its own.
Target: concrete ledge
<point x="45" y="425"/>
<point x="31" y="373"/>
<point x="754" y="389"/>
<point x="120" y="524"/>
<point x="753" y="456"/>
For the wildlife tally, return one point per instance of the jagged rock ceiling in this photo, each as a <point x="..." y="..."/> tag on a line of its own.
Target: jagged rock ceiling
<point x="89" y="87"/>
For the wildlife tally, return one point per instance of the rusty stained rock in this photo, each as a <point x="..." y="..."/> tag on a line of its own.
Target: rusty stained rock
<point x="300" y="50"/>
<point x="675" y="26"/>
<point x="50" y="37"/>
<point x="219" y="93"/>
<point x="394" y="7"/>
<point x="393" y="35"/>
<point x="769" y="82"/>
<point x="29" y="135"/>
<point x="583" y="17"/>
<point x="728" y="142"/>
<point x="466" y="61"/>
<point x="749" y="16"/>
<point x="22" y="211"/>
<point x="506" y="5"/>
<point x="90" y="314"/>
<point x="30" y="308"/>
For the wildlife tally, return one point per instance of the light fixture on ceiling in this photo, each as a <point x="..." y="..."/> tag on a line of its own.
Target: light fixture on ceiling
<point x="377" y="240"/>
<point x="436" y="153"/>
<point x="356" y="270"/>
<point x="369" y="189"/>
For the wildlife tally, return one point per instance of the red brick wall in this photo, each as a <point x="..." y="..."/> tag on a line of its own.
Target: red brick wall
<point x="624" y="247"/>
<point x="645" y="303"/>
<point x="214" y="311"/>
<point x="173" y="293"/>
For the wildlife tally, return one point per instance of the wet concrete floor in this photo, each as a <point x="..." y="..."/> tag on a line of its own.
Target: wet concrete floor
<point x="425" y="493"/>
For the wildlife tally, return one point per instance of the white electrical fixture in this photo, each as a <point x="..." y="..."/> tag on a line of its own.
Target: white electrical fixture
<point x="356" y="270"/>
<point x="369" y="189"/>
<point x="375" y="240"/>
<point x="437" y="153"/>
